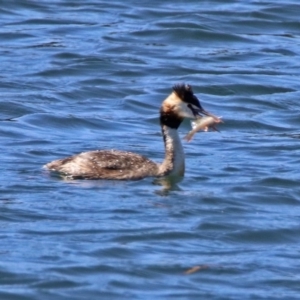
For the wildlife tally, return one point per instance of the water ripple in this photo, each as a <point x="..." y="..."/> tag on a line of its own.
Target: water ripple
<point x="82" y="76"/>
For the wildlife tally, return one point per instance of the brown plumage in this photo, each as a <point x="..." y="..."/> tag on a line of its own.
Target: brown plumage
<point x="103" y="164"/>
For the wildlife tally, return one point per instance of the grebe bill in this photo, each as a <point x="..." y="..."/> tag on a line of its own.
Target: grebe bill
<point x="122" y="165"/>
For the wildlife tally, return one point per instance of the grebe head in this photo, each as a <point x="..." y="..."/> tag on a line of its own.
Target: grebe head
<point x="182" y="103"/>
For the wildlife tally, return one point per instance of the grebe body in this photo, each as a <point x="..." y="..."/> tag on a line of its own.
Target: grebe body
<point x="122" y="165"/>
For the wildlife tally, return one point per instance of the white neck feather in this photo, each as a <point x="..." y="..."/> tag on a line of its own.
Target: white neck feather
<point x="173" y="163"/>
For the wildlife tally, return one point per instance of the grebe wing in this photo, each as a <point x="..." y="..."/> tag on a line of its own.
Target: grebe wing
<point x="103" y="164"/>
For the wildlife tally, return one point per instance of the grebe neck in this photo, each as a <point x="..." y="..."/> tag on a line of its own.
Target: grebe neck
<point x="173" y="163"/>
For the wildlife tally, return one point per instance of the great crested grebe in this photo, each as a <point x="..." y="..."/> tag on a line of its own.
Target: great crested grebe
<point x="122" y="165"/>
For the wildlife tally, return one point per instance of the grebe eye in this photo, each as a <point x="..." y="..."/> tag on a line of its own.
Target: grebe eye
<point x="188" y="88"/>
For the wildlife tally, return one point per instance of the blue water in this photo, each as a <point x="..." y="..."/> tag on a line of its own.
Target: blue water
<point x="83" y="75"/>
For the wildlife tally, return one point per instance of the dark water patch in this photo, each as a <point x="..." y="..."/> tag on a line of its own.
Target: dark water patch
<point x="52" y="44"/>
<point x="181" y="24"/>
<point x="154" y="237"/>
<point x="13" y="215"/>
<point x="9" y="36"/>
<point x="67" y="56"/>
<point x="57" y="284"/>
<point x="258" y="89"/>
<point x="30" y="5"/>
<point x="178" y="33"/>
<point x="280" y="51"/>
<point x="16" y="296"/>
<point x="265" y="236"/>
<point x="69" y="122"/>
<point x="13" y="110"/>
<point x="278" y="182"/>
<point x="69" y="22"/>
<point x="7" y="12"/>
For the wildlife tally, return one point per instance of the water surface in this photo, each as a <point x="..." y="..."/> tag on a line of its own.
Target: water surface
<point x="77" y="76"/>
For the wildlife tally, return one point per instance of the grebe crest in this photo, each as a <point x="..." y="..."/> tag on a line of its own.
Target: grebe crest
<point x="122" y="165"/>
